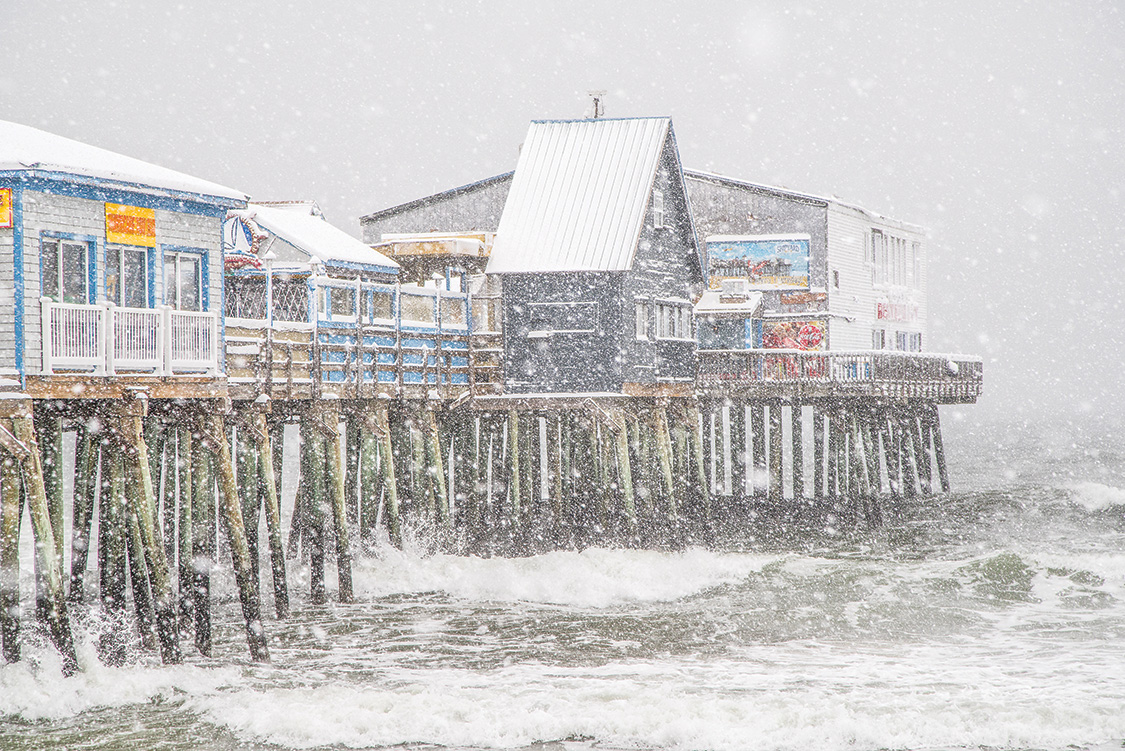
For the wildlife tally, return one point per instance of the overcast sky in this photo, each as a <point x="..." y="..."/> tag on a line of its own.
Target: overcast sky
<point x="996" y="125"/>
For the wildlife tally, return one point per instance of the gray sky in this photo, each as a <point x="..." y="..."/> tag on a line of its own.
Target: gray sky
<point x="997" y="127"/>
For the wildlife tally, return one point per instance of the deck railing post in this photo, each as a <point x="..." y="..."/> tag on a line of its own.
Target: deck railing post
<point x="164" y="339"/>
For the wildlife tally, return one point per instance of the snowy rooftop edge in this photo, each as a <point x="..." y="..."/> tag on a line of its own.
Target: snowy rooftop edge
<point x="24" y="148"/>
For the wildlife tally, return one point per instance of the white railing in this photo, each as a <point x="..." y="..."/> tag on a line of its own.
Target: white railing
<point x="73" y="337"/>
<point x="107" y="340"/>
<point x="194" y="341"/>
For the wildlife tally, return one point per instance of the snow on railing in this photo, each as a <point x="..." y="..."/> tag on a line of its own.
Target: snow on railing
<point x="859" y="368"/>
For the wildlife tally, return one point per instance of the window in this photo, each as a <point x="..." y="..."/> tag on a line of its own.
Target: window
<point x="65" y="269"/>
<point x="453" y="311"/>
<point x="673" y="321"/>
<point x="642" y="322"/>
<point x="418" y="308"/>
<point x="657" y="209"/>
<point x="126" y="276"/>
<point x="384" y="303"/>
<point x="342" y="301"/>
<point x="879" y="339"/>
<point x="183" y="280"/>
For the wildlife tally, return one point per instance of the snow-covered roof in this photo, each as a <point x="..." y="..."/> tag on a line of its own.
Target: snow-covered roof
<point x="305" y="229"/>
<point x="715" y="177"/>
<point x="26" y="148"/>
<point x="579" y="195"/>
<point x="714" y="302"/>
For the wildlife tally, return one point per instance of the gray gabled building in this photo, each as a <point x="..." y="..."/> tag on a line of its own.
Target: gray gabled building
<point x="598" y="258"/>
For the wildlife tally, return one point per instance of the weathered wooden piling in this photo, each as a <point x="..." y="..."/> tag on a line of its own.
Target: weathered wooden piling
<point x="267" y="480"/>
<point x="231" y="517"/>
<point x="142" y="504"/>
<point x="11" y="510"/>
<point x="49" y="562"/>
<point x="82" y="514"/>
<point x="202" y="531"/>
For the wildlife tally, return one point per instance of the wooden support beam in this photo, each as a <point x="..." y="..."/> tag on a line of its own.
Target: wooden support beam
<point x="185" y="555"/>
<point x="740" y="453"/>
<point x="143" y="607"/>
<point x="240" y="553"/>
<point x="818" y="451"/>
<point x="248" y="476"/>
<point x="386" y="452"/>
<point x="925" y="435"/>
<point x="663" y="441"/>
<point x="625" y="470"/>
<point x="798" y="445"/>
<point x="910" y="418"/>
<point x="112" y="541"/>
<point x="513" y="510"/>
<point x="204" y="544"/>
<point x="939" y="447"/>
<point x="776" y="486"/>
<point x="11" y="510"/>
<point x="906" y="449"/>
<point x="58" y="624"/>
<point x="835" y="484"/>
<point x="335" y="479"/>
<point x="82" y="514"/>
<point x="267" y="480"/>
<point x="696" y="436"/>
<point x="313" y="467"/>
<point x="891" y="452"/>
<point x="142" y="504"/>
<point x="758" y="426"/>
<point x="435" y="470"/>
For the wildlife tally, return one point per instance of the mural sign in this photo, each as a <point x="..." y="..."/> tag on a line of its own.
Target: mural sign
<point x="764" y="261"/>
<point x="810" y="336"/>
<point x="130" y="225"/>
<point x="6" y="207"/>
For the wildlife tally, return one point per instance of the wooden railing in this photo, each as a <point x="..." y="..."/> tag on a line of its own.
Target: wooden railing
<point x="108" y="340"/>
<point x="954" y="378"/>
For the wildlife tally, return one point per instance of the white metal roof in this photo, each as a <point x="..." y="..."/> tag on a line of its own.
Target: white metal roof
<point x="311" y="233"/>
<point x="579" y="195"/>
<point x="23" y="148"/>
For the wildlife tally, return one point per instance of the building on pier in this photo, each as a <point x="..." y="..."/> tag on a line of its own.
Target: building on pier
<point x="114" y="268"/>
<point x="598" y="260"/>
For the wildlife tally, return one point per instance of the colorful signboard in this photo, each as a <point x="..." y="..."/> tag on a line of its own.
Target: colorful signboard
<point x="763" y="261"/>
<point x="130" y="225"/>
<point x="5" y="207"/>
<point x="811" y="336"/>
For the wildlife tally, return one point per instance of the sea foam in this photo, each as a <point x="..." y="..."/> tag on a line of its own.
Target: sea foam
<point x="1094" y="496"/>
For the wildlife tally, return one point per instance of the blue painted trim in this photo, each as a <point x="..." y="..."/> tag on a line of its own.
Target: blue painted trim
<point x="117" y="191"/>
<point x="18" y="282"/>
<point x="150" y="263"/>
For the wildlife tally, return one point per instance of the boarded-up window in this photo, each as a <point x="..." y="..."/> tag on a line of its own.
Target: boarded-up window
<point x="564" y="317"/>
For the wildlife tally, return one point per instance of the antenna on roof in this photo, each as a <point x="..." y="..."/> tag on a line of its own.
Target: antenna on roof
<point x="599" y="107"/>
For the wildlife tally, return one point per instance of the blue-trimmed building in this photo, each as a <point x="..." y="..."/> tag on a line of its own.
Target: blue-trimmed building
<point x="113" y="266"/>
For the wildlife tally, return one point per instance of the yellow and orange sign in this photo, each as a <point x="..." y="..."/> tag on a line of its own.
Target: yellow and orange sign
<point x="130" y="225"/>
<point x="5" y="207"/>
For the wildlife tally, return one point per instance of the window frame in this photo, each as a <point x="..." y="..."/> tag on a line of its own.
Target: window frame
<point x="90" y="275"/>
<point x="658" y="209"/>
<point x="147" y="256"/>
<point x="175" y="253"/>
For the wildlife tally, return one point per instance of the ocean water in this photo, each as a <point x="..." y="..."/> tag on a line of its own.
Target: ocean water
<point x="992" y="617"/>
